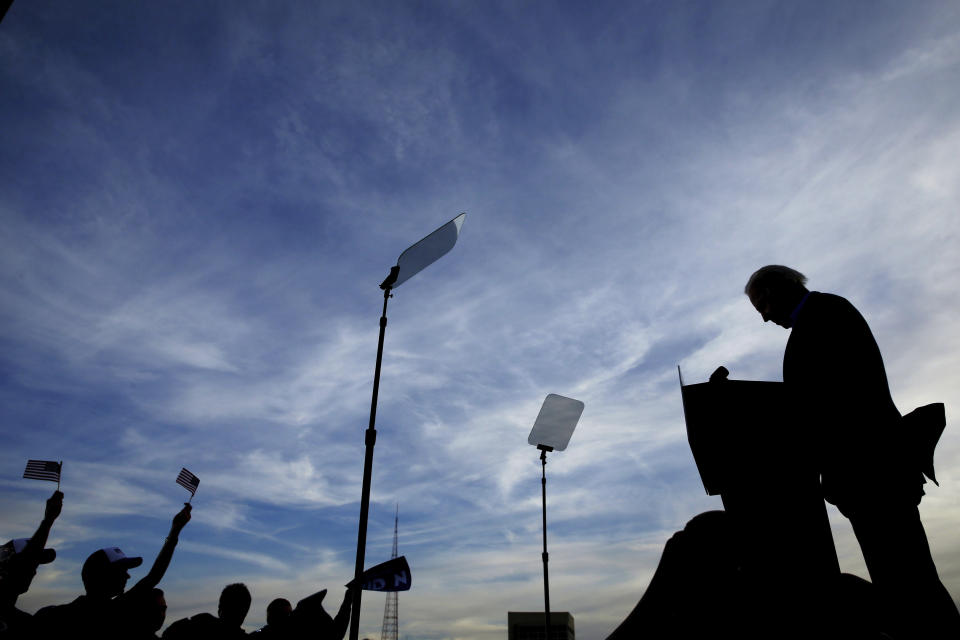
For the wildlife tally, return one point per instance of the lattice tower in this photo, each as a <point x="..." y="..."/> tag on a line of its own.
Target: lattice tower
<point x="389" y="631"/>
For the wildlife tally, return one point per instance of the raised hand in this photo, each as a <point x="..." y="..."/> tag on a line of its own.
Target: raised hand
<point x="54" y="506"/>
<point x="181" y="519"/>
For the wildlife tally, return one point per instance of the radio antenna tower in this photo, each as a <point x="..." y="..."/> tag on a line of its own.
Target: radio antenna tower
<point x="389" y="631"/>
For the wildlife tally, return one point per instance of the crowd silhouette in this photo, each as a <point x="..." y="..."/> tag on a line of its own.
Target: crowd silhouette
<point x="108" y="610"/>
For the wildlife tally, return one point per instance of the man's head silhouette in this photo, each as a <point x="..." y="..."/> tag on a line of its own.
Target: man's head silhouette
<point x="278" y="611"/>
<point x="775" y="291"/>
<point x="17" y="568"/>
<point x="105" y="574"/>
<point x="234" y="604"/>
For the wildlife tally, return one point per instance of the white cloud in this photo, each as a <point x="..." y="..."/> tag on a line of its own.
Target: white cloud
<point x="209" y="298"/>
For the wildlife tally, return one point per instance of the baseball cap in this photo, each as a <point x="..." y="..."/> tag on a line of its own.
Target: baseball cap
<point x="103" y="560"/>
<point x="13" y="548"/>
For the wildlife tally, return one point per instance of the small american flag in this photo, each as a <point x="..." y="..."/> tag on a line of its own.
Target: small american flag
<point x="43" y="470"/>
<point x="188" y="481"/>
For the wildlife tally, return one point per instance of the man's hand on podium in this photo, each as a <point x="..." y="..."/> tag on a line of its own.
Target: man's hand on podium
<point x="719" y="375"/>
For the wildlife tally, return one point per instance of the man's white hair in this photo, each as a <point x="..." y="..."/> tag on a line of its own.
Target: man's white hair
<point x="773" y="274"/>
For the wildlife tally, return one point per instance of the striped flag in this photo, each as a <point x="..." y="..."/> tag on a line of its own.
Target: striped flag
<point x="43" y="470"/>
<point x="188" y="481"/>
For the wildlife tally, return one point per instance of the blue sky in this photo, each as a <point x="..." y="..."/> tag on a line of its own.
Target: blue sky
<point x="199" y="200"/>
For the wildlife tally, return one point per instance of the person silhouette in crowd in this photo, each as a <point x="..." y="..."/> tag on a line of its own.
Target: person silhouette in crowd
<point x="231" y="611"/>
<point x="837" y="384"/>
<point x="278" y="610"/>
<point x="19" y="560"/>
<point x="278" y="614"/>
<point x="105" y="610"/>
<point x="308" y="620"/>
<point x="147" y="613"/>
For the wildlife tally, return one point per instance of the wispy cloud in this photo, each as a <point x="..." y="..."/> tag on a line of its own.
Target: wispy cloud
<point x="195" y="219"/>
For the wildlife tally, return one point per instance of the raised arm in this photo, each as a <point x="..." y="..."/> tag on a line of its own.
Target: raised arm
<point x="39" y="539"/>
<point x="342" y="620"/>
<point x="160" y="565"/>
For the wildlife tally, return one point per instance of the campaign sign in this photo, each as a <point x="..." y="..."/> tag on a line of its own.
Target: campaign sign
<point x="392" y="575"/>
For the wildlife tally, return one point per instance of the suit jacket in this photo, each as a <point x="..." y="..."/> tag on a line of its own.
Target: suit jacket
<point x="837" y="384"/>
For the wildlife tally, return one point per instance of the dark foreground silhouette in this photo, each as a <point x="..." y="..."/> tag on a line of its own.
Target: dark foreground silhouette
<point x="700" y="590"/>
<point x="19" y="560"/>
<point x="107" y="610"/>
<point x="106" y="607"/>
<point x="871" y="461"/>
<point x="307" y="620"/>
<point x="766" y="566"/>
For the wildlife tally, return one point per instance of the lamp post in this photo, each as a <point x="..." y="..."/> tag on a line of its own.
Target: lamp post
<point x="552" y="430"/>
<point x="413" y="260"/>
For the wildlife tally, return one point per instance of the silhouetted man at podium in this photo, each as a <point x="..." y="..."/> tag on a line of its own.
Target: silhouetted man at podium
<point x="837" y="384"/>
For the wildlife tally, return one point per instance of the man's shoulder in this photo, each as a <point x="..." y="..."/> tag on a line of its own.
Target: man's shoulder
<point x="819" y="298"/>
<point x="832" y="322"/>
<point x="198" y="620"/>
<point x="54" y="610"/>
<point x="64" y="619"/>
<point x="826" y="306"/>
<point x="825" y="319"/>
<point x="202" y="625"/>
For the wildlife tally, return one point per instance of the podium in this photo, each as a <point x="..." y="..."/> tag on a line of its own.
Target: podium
<point x="750" y="451"/>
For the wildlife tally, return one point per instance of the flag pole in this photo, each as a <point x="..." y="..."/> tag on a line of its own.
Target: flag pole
<point x="59" y="474"/>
